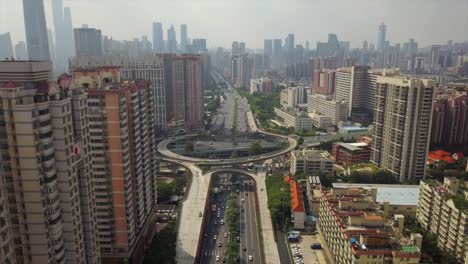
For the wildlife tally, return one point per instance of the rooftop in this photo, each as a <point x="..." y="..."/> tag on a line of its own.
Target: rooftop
<point x="395" y="194"/>
<point x="297" y="203"/>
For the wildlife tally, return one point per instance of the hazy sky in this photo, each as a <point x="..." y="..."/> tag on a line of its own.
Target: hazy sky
<point x="222" y="21"/>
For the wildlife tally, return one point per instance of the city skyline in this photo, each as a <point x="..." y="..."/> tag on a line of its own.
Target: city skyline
<point x="335" y="17"/>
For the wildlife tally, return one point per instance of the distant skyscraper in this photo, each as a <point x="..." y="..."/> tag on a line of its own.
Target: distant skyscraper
<point x="145" y="45"/>
<point x="158" y="39"/>
<point x="242" y="48"/>
<point x="69" y="42"/>
<point x="435" y="55"/>
<point x="58" y="51"/>
<point x="183" y="38"/>
<point x="382" y="37"/>
<point x="199" y="45"/>
<point x="268" y="46"/>
<point x="245" y="71"/>
<point x="36" y="30"/>
<point x="277" y="46"/>
<point x="235" y="48"/>
<point x="21" y="51"/>
<point x="51" y="40"/>
<point x="365" y="45"/>
<point x="171" y="40"/>
<point x="6" y="47"/>
<point x="402" y="117"/>
<point x="88" y="42"/>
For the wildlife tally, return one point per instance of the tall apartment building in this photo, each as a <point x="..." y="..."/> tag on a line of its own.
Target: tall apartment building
<point x="337" y="110"/>
<point x="402" y="122"/>
<point x="149" y="67"/>
<point x="45" y="164"/>
<point x="324" y="82"/>
<point x="261" y="85"/>
<point x="450" y="122"/>
<point x="293" y="96"/>
<point x="311" y="162"/>
<point x="356" y="230"/>
<point x="123" y="150"/>
<point x="245" y="71"/>
<point x="354" y="85"/>
<point x="184" y="92"/>
<point x="7" y="251"/>
<point x="88" y="42"/>
<point x="158" y="39"/>
<point x="442" y="210"/>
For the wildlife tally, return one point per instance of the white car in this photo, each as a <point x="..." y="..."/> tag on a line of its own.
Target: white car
<point x="218" y="258"/>
<point x="250" y="258"/>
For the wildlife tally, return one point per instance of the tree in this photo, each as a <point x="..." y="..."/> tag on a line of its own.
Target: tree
<point x="300" y="141"/>
<point x="255" y="148"/>
<point x="189" y="147"/>
<point x="234" y="154"/>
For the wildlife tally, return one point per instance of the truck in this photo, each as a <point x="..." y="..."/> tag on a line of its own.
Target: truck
<point x="213" y="208"/>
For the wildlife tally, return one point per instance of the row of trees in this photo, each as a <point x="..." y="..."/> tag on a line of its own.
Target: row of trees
<point x="213" y="104"/>
<point x="263" y="104"/>
<point x="279" y="201"/>
<point x="231" y="219"/>
<point x="379" y="176"/>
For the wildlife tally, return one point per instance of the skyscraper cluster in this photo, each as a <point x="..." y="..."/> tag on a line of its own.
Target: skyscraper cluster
<point x="63" y="32"/>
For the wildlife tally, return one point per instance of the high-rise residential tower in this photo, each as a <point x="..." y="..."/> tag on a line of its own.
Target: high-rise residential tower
<point x="6" y="47"/>
<point x="381" y="37"/>
<point x="45" y="160"/>
<point x="158" y="39"/>
<point x="245" y="71"/>
<point x="435" y="55"/>
<point x="171" y="40"/>
<point x="7" y="254"/>
<point x="184" y="92"/>
<point x="402" y="124"/>
<point x="122" y="133"/>
<point x="36" y="30"/>
<point x="183" y="38"/>
<point x="88" y="42"/>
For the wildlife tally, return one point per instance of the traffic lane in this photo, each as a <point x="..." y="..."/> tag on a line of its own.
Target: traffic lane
<point x="252" y="226"/>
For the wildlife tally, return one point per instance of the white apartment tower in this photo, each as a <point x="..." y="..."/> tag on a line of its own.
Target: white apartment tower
<point x="402" y="122"/>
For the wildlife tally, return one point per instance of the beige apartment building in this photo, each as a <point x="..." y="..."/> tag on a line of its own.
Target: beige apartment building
<point x="357" y="231"/>
<point x="7" y="252"/>
<point x="123" y="150"/>
<point x="337" y="110"/>
<point x="442" y="210"/>
<point x="44" y="158"/>
<point x="311" y="161"/>
<point x="402" y="122"/>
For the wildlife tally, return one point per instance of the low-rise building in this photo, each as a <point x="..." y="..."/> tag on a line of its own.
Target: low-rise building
<point x="298" y="120"/>
<point x="311" y="161"/>
<point x="337" y="110"/>
<point x="298" y="213"/>
<point x="347" y="153"/>
<point x="443" y="210"/>
<point x="355" y="231"/>
<point x="320" y="120"/>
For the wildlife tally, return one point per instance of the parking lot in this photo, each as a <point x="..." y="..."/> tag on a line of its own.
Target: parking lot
<point x="302" y="248"/>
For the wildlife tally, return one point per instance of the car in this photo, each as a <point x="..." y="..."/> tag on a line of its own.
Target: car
<point x="219" y="215"/>
<point x="246" y="194"/>
<point x="316" y="246"/>
<point x="244" y="248"/>
<point x="217" y="258"/>
<point x="242" y="200"/>
<point x="220" y="244"/>
<point x="250" y="258"/>
<point x="215" y="237"/>
<point x="225" y="234"/>
<point x="314" y="232"/>
<point x="200" y="214"/>
<point x="222" y="221"/>
<point x="205" y="235"/>
<point x="237" y="239"/>
<point x="238" y="259"/>
<point x="216" y="222"/>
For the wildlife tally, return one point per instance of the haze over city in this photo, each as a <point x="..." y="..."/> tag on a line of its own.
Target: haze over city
<point x="221" y="21"/>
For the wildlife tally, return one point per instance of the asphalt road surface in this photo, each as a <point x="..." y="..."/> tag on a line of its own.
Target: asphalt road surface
<point x="214" y="249"/>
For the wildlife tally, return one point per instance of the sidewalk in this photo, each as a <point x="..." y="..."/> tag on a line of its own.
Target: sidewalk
<point x="269" y="245"/>
<point x="190" y="226"/>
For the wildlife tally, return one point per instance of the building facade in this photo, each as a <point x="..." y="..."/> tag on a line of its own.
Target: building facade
<point x="438" y="213"/>
<point x="298" y="120"/>
<point x="450" y="123"/>
<point x="311" y="162"/>
<point x="123" y="149"/>
<point x="36" y="30"/>
<point x="337" y="110"/>
<point x="402" y="122"/>
<point x="88" y="42"/>
<point x="261" y="85"/>
<point x="356" y="232"/>
<point x="324" y="82"/>
<point x="348" y="153"/>
<point x="45" y="162"/>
